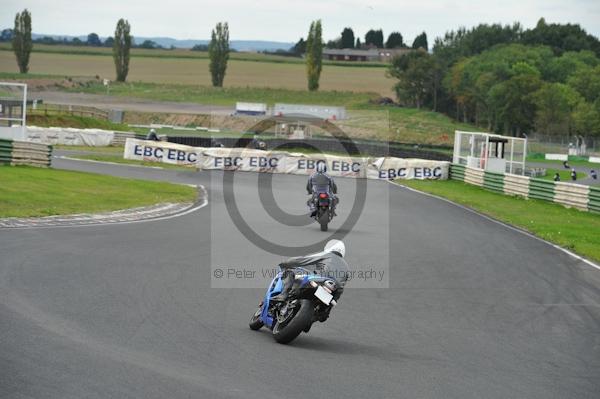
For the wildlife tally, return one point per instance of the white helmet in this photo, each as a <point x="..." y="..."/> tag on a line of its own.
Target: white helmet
<point x="152" y="131"/>
<point x="321" y="167"/>
<point x="336" y="246"/>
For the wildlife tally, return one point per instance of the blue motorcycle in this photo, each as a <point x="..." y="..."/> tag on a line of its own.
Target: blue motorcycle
<point x="302" y="294"/>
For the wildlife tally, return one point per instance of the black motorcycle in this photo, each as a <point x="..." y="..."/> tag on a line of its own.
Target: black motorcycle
<point x="324" y="205"/>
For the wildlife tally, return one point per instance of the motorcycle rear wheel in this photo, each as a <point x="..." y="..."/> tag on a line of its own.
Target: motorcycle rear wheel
<point x="300" y="322"/>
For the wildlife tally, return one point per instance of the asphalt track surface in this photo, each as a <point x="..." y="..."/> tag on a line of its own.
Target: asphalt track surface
<point x="474" y="309"/>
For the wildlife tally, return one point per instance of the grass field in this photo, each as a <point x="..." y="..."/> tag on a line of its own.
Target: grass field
<point x="572" y="162"/>
<point x="185" y="54"/>
<point x="565" y="175"/>
<point x="240" y="73"/>
<point x="79" y="122"/>
<point x="28" y="191"/>
<point x="569" y="228"/>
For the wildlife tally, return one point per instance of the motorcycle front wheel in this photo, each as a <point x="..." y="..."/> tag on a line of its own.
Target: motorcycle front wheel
<point x="287" y="332"/>
<point x="255" y="321"/>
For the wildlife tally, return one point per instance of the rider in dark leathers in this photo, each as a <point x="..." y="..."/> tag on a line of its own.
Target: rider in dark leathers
<point x="329" y="263"/>
<point x="319" y="182"/>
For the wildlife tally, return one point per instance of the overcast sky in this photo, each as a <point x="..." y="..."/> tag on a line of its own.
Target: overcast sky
<point x="285" y="20"/>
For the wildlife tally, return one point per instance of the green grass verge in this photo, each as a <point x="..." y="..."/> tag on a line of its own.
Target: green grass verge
<point x="572" y="162"/>
<point x="565" y="175"/>
<point x="569" y="228"/>
<point x="28" y="191"/>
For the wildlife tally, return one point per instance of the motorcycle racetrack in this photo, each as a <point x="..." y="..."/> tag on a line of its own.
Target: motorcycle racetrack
<point x="474" y="309"/>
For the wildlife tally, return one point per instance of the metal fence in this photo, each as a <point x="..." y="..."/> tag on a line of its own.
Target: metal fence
<point x="544" y="144"/>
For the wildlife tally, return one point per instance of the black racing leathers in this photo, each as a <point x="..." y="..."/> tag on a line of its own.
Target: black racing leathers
<point x="325" y="264"/>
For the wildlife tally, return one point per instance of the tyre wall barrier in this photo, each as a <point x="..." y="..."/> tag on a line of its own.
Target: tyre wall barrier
<point x="14" y="152"/>
<point x="243" y="159"/>
<point x="73" y="136"/>
<point x="364" y="147"/>
<point x="568" y="194"/>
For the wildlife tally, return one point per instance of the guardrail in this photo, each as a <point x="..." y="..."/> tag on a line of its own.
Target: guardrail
<point x="14" y="152"/>
<point x="372" y="148"/>
<point x="568" y="194"/>
<point x="61" y="109"/>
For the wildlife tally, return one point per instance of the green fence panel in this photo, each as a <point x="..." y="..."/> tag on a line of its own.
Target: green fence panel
<point x="594" y="199"/>
<point x="541" y="189"/>
<point x="493" y="181"/>
<point x="5" y="151"/>
<point x="457" y="172"/>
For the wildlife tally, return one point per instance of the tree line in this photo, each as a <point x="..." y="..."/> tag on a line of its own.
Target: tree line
<point x="373" y="39"/>
<point x="92" y="40"/>
<point x="507" y="79"/>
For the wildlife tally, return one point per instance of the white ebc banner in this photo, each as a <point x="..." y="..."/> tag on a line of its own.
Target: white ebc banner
<point x="162" y="151"/>
<point x="399" y="168"/>
<point x="242" y="159"/>
<point x="302" y="164"/>
<point x="250" y="160"/>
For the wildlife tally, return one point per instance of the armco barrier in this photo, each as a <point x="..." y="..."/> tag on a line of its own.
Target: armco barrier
<point x="5" y="151"/>
<point x="541" y="189"/>
<point x="474" y="176"/>
<point x="365" y="147"/>
<point x="578" y="196"/>
<point x="14" y="152"/>
<point x="493" y="181"/>
<point x="574" y="195"/>
<point x="594" y="202"/>
<point x="516" y="185"/>
<point x="457" y="172"/>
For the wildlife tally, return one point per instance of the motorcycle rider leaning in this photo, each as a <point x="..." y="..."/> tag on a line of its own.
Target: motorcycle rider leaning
<point x="319" y="182"/>
<point x="328" y="263"/>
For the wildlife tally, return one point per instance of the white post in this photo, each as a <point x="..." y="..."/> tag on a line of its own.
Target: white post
<point x="457" y="141"/>
<point x="486" y="152"/>
<point x="24" y="122"/>
<point x="512" y="152"/>
<point x="524" y="156"/>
